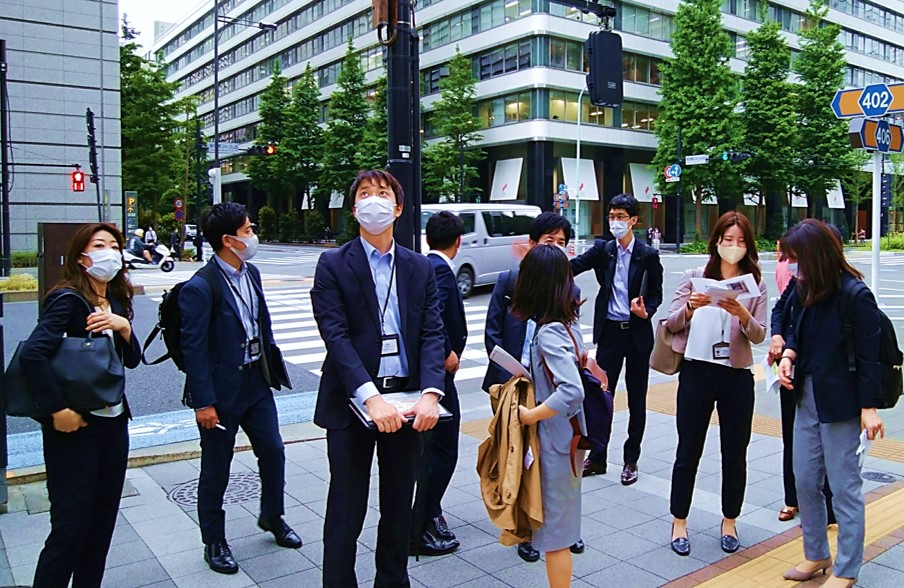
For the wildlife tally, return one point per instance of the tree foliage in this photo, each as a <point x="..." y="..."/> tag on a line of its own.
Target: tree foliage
<point x="272" y="173"/>
<point x="151" y="158"/>
<point x="768" y="121"/>
<point x="374" y="150"/>
<point x="823" y="152"/>
<point x="345" y="130"/>
<point x="303" y="143"/>
<point x="450" y="165"/>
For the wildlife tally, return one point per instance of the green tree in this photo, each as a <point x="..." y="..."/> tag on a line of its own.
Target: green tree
<point x="374" y="150"/>
<point x="858" y="184"/>
<point x="450" y="165"/>
<point x="272" y="174"/>
<point x="699" y="95"/>
<point x="151" y="157"/>
<point x="345" y="130"/>
<point x="769" y="120"/>
<point x="823" y="151"/>
<point x="303" y="142"/>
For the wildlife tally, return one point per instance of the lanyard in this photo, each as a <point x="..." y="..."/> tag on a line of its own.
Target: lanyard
<point x="241" y="297"/>
<point x="725" y="323"/>
<point x="386" y="301"/>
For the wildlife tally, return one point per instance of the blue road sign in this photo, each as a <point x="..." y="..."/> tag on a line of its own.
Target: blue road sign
<point x="883" y="136"/>
<point x="673" y="171"/>
<point x="875" y="100"/>
<point x="561" y="187"/>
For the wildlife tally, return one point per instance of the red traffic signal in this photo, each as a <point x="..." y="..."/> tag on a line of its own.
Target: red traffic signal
<point x="270" y="149"/>
<point x="655" y="202"/>
<point x="78" y="181"/>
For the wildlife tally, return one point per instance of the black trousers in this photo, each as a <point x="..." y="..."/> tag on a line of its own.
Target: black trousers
<point x="441" y="458"/>
<point x="258" y="419"/>
<point x="350" y="452"/>
<point x="702" y="386"/>
<point x="788" y="404"/>
<point x="86" y="470"/>
<point x="617" y="348"/>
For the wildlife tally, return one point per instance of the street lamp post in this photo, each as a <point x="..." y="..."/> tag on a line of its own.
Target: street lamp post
<point x="577" y="172"/>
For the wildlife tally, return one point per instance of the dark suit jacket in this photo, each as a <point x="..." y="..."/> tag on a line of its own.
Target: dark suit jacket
<point x="348" y="316"/>
<point x="602" y="258"/>
<point x="783" y="310"/>
<point x="451" y="306"/>
<point x="67" y="316"/>
<point x="213" y="340"/>
<point x="839" y="393"/>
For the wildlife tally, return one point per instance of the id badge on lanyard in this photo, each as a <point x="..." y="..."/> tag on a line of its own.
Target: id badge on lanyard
<point x="389" y="344"/>
<point x="722" y="350"/>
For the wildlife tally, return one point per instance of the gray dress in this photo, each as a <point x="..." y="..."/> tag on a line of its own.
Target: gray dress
<point x="560" y="489"/>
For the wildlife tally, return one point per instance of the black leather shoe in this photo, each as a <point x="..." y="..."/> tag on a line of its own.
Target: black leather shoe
<point x="441" y="528"/>
<point x="283" y="533"/>
<point x="527" y="552"/>
<point x="593" y="468"/>
<point x="629" y="474"/>
<point x="681" y="546"/>
<point x="432" y="545"/>
<point x="730" y="543"/>
<point x="577" y="547"/>
<point x="219" y="557"/>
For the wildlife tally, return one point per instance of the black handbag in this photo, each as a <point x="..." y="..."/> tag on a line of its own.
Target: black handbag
<point x="88" y="369"/>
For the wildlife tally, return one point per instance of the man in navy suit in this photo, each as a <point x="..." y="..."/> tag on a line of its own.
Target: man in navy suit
<point x="630" y="278"/>
<point x="231" y="364"/>
<point x="444" y="230"/>
<point x="514" y="335"/>
<point x="376" y="306"/>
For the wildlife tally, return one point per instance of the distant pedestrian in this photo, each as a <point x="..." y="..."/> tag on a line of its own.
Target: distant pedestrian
<point x="150" y="235"/>
<point x="327" y="233"/>
<point x="175" y="244"/>
<point x="199" y="246"/>
<point x="657" y="238"/>
<point x="650" y="236"/>
<point x="85" y="453"/>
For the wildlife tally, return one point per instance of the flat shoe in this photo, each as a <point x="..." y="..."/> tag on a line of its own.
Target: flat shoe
<point x="730" y="543"/>
<point x="680" y="545"/>
<point x="787" y="514"/>
<point x="578" y="547"/>
<point x="527" y="552"/>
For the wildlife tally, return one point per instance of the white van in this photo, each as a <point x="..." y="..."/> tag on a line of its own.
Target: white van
<point x="486" y="246"/>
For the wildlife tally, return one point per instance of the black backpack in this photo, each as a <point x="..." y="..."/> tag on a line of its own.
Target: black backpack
<point x="890" y="356"/>
<point x="169" y="320"/>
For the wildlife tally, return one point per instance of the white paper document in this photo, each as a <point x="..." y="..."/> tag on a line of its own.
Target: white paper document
<point x="738" y="288"/>
<point x="401" y="400"/>
<point x="863" y="449"/>
<point x="503" y="359"/>
<point x="772" y="381"/>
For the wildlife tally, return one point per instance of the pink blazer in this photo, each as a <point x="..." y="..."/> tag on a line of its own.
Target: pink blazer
<point x="740" y="351"/>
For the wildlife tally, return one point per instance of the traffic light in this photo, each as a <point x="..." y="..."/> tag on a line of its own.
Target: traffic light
<point x="78" y="181"/>
<point x="735" y="156"/>
<point x="605" y="81"/>
<point x="268" y="149"/>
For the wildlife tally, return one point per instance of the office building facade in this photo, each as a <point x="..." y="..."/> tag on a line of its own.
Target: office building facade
<point x="528" y="58"/>
<point x="63" y="57"/>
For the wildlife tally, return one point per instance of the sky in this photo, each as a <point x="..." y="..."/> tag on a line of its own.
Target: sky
<point x="143" y="13"/>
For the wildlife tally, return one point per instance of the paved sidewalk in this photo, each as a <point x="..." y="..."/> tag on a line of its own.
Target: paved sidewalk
<point x="157" y="542"/>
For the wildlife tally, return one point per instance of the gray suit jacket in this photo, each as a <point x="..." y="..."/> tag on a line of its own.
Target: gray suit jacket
<point x="565" y="393"/>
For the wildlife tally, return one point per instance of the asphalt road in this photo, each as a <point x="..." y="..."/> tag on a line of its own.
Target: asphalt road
<point x="287" y="271"/>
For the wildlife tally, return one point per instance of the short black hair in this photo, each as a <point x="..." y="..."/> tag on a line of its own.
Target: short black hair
<point x="225" y="218"/>
<point x="443" y="229"/>
<point x="549" y="222"/>
<point x="377" y="176"/>
<point x="626" y="202"/>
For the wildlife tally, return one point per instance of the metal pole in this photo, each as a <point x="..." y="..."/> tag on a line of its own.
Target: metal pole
<point x="4" y="164"/>
<point x="877" y="220"/>
<point x="679" y="205"/>
<point x="4" y="450"/>
<point x="401" y="110"/>
<point x="577" y="172"/>
<point x="216" y="84"/>
<point x="416" y="134"/>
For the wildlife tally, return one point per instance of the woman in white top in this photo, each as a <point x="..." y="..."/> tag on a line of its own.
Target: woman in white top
<point x="716" y="373"/>
<point x="85" y="453"/>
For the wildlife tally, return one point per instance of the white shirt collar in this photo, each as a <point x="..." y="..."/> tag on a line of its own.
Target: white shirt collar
<point x="629" y="248"/>
<point x="444" y="257"/>
<point x="369" y="249"/>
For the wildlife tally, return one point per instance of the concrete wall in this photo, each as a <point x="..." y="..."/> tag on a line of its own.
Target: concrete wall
<point x="63" y="58"/>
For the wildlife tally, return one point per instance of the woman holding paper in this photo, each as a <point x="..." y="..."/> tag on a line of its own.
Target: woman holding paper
<point x="836" y="407"/>
<point x="545" y="293"/>
<point x="714" y="327"/>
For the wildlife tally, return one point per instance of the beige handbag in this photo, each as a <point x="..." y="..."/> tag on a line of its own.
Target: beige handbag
<point x="664" y="359"/>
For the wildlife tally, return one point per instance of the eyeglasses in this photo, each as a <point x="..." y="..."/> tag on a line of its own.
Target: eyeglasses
<point x="620" y="217"/>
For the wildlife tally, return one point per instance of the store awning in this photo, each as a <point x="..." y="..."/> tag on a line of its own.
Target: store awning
<point x="585" y="183"/>
<point x="336" y="200"/>
<point x="506" y="179"/>
<point x="642" y="181"/>
<point x="836" y="197"/>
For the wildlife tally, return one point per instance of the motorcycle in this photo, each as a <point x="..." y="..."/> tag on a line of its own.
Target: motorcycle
<point x="161" y="257"/>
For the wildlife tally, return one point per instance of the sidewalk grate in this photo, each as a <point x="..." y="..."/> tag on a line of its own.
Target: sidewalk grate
<point x="243" y="487"/>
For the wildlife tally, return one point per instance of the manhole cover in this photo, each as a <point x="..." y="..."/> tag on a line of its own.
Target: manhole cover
<point x="243" y="487"/>
<point x="878" y="477"/>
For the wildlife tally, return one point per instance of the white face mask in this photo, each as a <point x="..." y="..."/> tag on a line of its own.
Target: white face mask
<point x="792" y="267"/>
<point x="250" y="249"/>
<point x="732" y="253"/>
<point x="375" y="214"/>
<point x="619" y="228"/>
<point x="105" y="264"/>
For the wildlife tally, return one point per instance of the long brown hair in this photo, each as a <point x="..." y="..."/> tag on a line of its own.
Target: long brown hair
<point x="820" y="258"/>
<point x="751" y="262"/>
<point x="545" y="290"/>
<point x="75" y="277"/>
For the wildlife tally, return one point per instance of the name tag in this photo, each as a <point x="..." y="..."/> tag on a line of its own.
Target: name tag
<point x="254" y="347"/>
<point x="390" y="346"/>
<point x="721" y="351"/>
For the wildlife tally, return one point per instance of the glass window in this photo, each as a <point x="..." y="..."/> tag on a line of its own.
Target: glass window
<point x="557" y="105"/>
<point x="557" y="53"/>
<point x="574" y="56"/>
<point x="467" y="219"/>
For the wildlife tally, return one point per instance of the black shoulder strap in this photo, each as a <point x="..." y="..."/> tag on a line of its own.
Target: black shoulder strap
<point x="848" y="294"/>
<point x="510" y="279"/>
